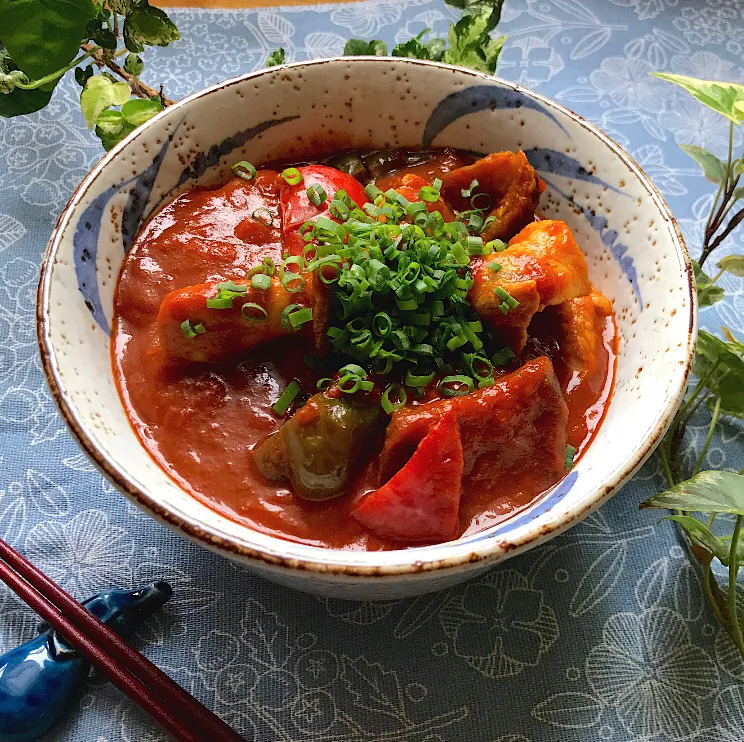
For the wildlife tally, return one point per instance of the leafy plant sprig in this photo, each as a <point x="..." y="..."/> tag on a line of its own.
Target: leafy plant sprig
<point x="43" y="40"/>
<point x="719" y="385"/>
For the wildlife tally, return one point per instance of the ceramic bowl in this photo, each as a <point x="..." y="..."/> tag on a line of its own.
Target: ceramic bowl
<point x="635" y="253"/>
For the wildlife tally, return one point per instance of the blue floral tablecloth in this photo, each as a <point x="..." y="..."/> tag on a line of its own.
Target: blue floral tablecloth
<point x="601" y="634"/>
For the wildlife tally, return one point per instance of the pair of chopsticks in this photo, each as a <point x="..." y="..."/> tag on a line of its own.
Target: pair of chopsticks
<point x="179" y="713"/>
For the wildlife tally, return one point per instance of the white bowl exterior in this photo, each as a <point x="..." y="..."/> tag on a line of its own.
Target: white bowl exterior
<point x="618" y="219"/>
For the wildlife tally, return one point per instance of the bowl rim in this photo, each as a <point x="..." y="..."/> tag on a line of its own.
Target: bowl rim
<point x="352" y="564"/>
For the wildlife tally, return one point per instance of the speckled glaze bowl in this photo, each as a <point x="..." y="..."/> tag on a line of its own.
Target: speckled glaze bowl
<point x="634" y="250"/>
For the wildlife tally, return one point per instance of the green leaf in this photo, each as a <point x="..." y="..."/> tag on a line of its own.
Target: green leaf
<point x="720" y="363"/>
<point x="83" y="74"/>
<point x="137" y="111"/>
<point x="714" y="169"/>
<point x="110" y="123"/>
<point x="733" y="264"/>
<point x="469" y="42"/>
<point x="17" y="102"/>
<point x="735" y="345"/>
<point x="491" y="8"/>
<point x="700" y="531"/>
<point x="122" y="7"/>
<point x="359" y="48"/>
<point x="413" y="49"/>
<point x="148" y="26"/>
<point x="100" y="93"/>
<point x="43" y="36"/>
<point x="276" y="57"/>
<point x="726" y="98"/>
<point x="133" y="64"/>
<point x="706" y="492"/>
<point x="708" y="292"/>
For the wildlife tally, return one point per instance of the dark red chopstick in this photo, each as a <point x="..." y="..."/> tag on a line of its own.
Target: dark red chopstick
<point x="170" y="705"/>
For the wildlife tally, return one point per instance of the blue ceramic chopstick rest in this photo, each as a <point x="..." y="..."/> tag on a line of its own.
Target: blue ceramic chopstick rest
<point x="41" y="680"/>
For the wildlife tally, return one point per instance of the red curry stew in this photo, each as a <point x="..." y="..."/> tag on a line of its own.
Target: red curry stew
<point x="381" y="350"/>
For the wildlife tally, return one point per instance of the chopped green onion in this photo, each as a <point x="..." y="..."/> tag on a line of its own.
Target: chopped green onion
<point x="220" y="302"/>
<point x="475" y="223"/>
<point x="300" y="317"/>
<point x="480" y="201"/>
<point x="399" y="393"/>
<point x="339" y="210"/>
<point x="570" y="454"/>
<point x="467" y="192"/>
<point x="292" y="281"/>
<point x="244" y="169"/>
<point x="238" y="288"/>
<point x="496" y="245"/>
<point x="495" y="266"/>
<point x="456" y="386"/>
<point x="190" y="330"/>
<point x="287" y="397"/>
<point x="372" y="191"/>
<point x="353" y="380"/>
<point x="437" y="184"/>
<point x="261" y="282"/>
<point x="502" y="357"/>
<point x="354" y="369"/>
<point x="429" y="194"/>
<point x="292" y="175"/>
<point x="285" y="315"/>
<point x="508" y="299"/>
<point x="420" y="380"/>
<point x="323" y="383"/>
<point x="254" y="312"/>
<point x="263" y="216"/>
<point x="317" y="194"/>
<point x="475" y="245"/>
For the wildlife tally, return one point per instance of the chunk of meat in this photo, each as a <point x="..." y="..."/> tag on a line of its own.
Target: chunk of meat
<point x="580" y="330"/>
<point x="542" y="266"/>
<point x="409" y="185"/>
<point x="505" y="430"/>
<point x="510" y="181"/>
<point x="298" y="209"/>
<point x="206" y="234"/>
<point x="229" y="333"/>
<point x="421" y="502"/>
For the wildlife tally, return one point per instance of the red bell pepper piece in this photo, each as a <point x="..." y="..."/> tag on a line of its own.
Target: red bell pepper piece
<point x="422" y="501"/>
<point x="298" y="209"/>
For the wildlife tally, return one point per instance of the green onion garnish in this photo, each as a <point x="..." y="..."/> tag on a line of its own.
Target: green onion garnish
<point x="323" y="383"/>
<point x="263" y="215"/>
<point x="456" y="386"/>
<point x="502" y="357"/>
<point x="244" y="169"/>
<point x="291" y="280"/>
<point x="507" y="298"/>
<point x="397" y="392"/>
<point x="495" y="245"/>
<point x="261" y="282"/>
<point x="237" y="288"/>
<point x="220" y="302"/>
<point x="495" y="266"/>
<point x="292" y="175"/>
<point x="570" y="453"/>
<point x="429" y="194"/>
<point x="253" y="312"/>
<point x="287" y="397"/>
<point x="299" y="317"/>
<point x="480" y="201"/>
<point x="467" y="192"/>
<point x="418" y="380"/>
<point x="316" y="194"/>
<point x="190" y="330"/>
<point x="475" y="245"/>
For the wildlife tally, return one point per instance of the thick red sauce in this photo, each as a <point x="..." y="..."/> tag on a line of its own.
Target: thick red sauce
<point x="201" y="423"/>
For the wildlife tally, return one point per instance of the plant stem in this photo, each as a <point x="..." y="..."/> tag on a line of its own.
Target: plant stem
<point x="733" y="572"/>
<point x="709" y="437"/>
<point x="52" y="76"/>
<point x="144" y="91"/>
<point x="665" y="465"/>
<point x="718" y="212"/>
